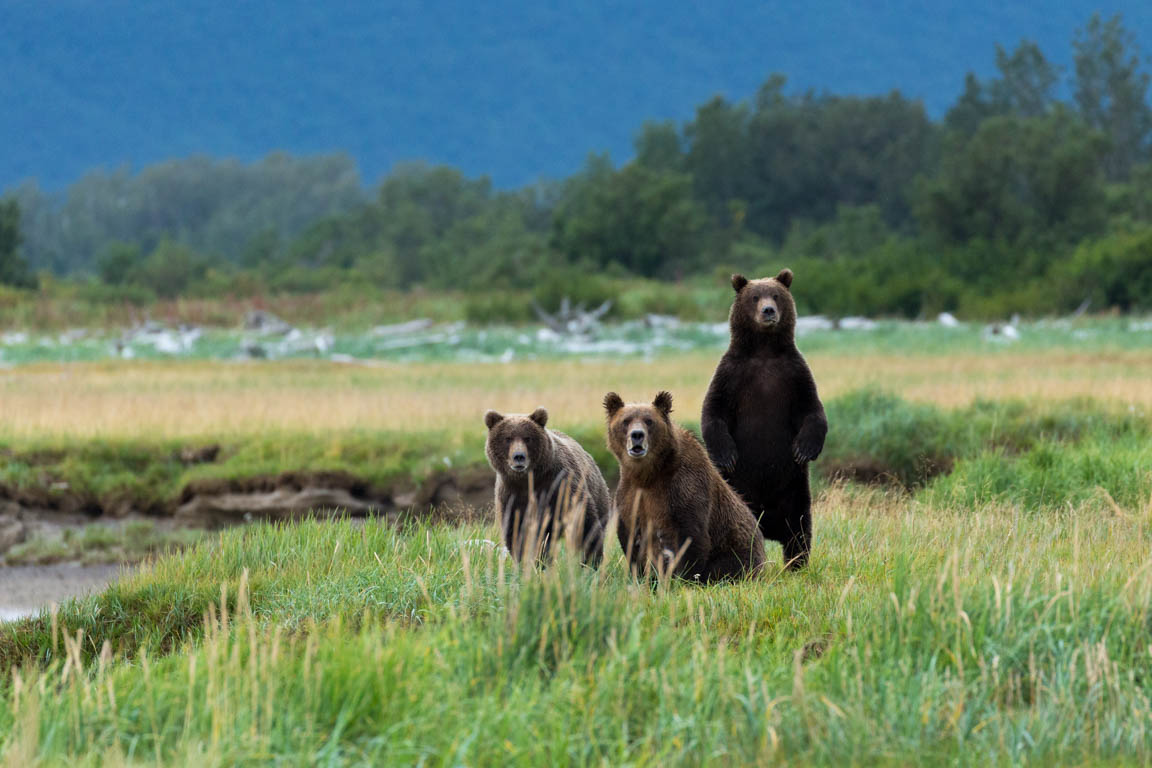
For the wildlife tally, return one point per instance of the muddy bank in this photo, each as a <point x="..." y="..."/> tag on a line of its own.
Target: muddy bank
<point x="290" y="495"/>
<point x="25" y="589"/>
<point x="61" y="526"/>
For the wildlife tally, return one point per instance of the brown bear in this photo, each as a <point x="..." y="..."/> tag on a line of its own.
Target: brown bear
<point x="547" y="487"/>
<point x="677" y="515"/>
<point x="762" y="420"/>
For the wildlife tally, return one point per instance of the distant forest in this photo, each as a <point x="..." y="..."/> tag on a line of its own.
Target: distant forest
<point x="1017" y="200"/>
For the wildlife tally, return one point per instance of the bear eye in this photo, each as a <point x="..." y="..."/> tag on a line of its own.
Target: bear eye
<point x="648" y="421"/>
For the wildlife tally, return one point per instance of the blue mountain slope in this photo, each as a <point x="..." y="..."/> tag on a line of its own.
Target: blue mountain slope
<point x="514" y="89"/>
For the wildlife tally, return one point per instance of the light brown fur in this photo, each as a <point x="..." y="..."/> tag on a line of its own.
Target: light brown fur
<point x="560" y="485"/>
<point x="676" y="513"/>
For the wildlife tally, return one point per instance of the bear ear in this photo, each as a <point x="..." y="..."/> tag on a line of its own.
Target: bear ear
<point x="663" y="403"/>
<point x="540" y="416"/>
<point x="785" y="277"/>
<point x="492" y="418"/>
<point x="738" y="282"/>
<point x="612" y="403"/>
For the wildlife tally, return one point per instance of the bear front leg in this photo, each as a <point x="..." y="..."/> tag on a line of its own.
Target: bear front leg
<point x="511" y="524"/>
<point x="688" y="560"/>
<point x="719" y="442"/>
<point x="636" y="546"/>
<point x="592" y="540"/>
<point x="726" y="566"/>
<point x="809" y="440"/>
<point x="686" y="541"/>
<point x="659" y="554"/>
<point x="721" y="447"/>
<point x="714" y="428"/>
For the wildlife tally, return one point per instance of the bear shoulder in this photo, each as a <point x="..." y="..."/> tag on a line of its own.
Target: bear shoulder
<point x="572" y="459"/>
<point x="568" y="453"/>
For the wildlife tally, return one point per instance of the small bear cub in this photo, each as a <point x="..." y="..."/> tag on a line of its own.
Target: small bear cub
<point x="547" y="487"/>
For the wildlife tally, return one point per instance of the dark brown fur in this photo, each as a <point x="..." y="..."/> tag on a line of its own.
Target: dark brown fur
<point x="561" y="486"/>
<point x="672" y="501"/>
<point x="762" y="419"/>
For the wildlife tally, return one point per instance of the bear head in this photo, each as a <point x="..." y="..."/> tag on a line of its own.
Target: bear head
<point x="763" y="308"/>
<point x="639" y="433"/>
<point x="517" y="443"/>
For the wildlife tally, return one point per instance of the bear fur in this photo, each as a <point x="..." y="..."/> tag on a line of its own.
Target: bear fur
<point x="762" y="420"/>
<point x="677" y="516"/>
<point x="547" y="487"/>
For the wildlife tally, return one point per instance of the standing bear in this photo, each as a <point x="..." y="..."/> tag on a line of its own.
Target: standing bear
<point x="677" y="515"/>
<point x="762" y="419"/>
<point x="547" y="487"/>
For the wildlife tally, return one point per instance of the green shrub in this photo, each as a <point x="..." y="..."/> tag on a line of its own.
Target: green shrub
<point x="1115" y="271"/>
<point x="301" y="279"/>
<point x="104" y="293"/>
<point x="498" y="308"/>
<point x="877" y="436"/>
<point x="580" y="285"/>
<point x="1052" y="475"/>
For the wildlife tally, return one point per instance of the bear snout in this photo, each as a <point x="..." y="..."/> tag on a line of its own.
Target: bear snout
<point x="638" y="442"/>
<point x="518" y="456"/>
<point x="767" y="314"/>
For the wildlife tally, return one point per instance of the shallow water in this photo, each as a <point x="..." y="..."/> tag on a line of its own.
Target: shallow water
<point x="26" y="589"/>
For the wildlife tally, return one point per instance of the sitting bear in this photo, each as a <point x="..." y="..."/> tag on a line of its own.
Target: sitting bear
<point x="677" y="515"/>
<point x="547" y="487"/>
<point x="762" y="419"/>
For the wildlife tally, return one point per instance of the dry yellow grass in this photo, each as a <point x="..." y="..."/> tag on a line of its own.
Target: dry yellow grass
<point x="195" y="398"/>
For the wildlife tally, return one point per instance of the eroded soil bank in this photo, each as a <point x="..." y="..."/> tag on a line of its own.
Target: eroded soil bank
<point x="220" y="503"/>
<point x="50" y="552"/>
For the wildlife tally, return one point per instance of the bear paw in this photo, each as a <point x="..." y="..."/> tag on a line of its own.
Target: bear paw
<point x="724" y="457"/>
<point x="805" y="450"/>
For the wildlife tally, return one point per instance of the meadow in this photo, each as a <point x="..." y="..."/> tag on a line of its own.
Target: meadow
<point x="979" y="592"/>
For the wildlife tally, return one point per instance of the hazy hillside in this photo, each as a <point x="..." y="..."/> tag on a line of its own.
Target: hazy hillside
<point x="514" y="89"/>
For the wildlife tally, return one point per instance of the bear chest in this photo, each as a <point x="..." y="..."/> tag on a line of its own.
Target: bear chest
<point x="765" y="391"/>
<point x="646" y="507"/>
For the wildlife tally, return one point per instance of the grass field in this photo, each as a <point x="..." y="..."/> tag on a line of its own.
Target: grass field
<point x="989" y="604"/>
<point x="220" y="400"/>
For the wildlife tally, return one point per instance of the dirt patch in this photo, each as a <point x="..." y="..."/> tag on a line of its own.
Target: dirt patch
<point x="217" y="503"/>
<point x="56" y="498"/>
<point x="869" y="471"/>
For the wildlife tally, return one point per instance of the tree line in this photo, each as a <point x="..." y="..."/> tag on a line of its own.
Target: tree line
<point x="1032" y="194"/>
